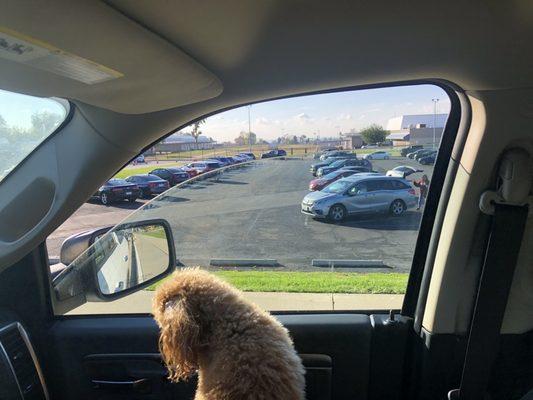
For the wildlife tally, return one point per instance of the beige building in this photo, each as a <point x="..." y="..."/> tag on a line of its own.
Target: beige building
<point x="351" y="141"/>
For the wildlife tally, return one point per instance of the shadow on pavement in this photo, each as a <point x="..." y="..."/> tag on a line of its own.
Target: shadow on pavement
<point x="410" y="221"/>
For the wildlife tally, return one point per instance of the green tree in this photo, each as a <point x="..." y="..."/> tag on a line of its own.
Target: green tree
<point x="374" y="134"/>
<point x="196" y="132"/>
<point x="246" y="138"/>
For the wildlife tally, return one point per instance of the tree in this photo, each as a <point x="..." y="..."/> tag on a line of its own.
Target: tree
<point x="196" y="132"/>
<point x="44" y="122"/>
<point x="374" y="134"/>
<point x="246" y="138"/>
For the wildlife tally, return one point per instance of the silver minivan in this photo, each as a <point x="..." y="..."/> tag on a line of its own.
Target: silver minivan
<point x="360" y="193"/>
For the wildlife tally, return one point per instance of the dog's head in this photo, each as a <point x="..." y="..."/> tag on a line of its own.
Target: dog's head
<point x="183" y="307"/>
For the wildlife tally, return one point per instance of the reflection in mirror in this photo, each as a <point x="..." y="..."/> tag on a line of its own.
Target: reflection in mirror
<point x="125" y="258"/>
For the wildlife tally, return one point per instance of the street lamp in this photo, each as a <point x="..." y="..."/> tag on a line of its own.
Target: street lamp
<point x="435" y="101"/>
<point x="250" y="127"/>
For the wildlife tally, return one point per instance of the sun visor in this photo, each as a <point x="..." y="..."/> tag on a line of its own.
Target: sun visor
<point x="87" y="51"/>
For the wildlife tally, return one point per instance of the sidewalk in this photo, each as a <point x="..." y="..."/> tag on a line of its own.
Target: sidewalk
<point x="141" y="302"/>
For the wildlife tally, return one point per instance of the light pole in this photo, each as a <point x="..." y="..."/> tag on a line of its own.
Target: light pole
<point x="250" y="127"/>
<point x="435" y="101"/>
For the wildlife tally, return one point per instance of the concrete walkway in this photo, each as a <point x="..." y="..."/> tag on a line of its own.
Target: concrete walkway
<point x="141" y="302"/>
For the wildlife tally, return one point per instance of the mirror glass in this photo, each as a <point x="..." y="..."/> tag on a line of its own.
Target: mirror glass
<point x="127" y="257"/>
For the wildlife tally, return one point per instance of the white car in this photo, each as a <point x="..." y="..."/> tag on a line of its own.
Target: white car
<point x="377" y="155"/>
<point x="402" y="171"/>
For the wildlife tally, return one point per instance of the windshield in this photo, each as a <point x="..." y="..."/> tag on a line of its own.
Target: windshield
<point x="337" y="187"/>
<point x="25" y="122"/>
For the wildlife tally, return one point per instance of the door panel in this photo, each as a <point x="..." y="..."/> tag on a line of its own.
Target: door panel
<point x="335" y="348"/>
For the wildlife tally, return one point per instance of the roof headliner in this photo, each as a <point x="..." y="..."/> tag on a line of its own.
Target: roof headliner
<point x="272" y="48"/>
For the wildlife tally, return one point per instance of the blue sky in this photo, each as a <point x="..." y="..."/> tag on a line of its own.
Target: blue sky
<point x="325" y="115"/>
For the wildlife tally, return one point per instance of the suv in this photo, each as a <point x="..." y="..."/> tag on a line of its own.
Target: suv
<point x="274" y="153"/>
<point x="349" y="162"/>
<point x="361" y="193"/>
<point x="410" y="149"/>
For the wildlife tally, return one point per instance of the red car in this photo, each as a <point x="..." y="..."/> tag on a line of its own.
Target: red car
<point x="323" y="181"/>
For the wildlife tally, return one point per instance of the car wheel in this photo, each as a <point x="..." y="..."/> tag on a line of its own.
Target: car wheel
<point x="104" y="199"/>
<point x="337" y="213"/>
<point x="132" y="199"/>
<point x="397" y="208"/>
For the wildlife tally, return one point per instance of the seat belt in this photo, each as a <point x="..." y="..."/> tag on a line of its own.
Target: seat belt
<point x="509" y="207"/>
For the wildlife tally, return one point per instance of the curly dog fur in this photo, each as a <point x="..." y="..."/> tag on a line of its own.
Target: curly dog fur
<point x="239" y="350"/>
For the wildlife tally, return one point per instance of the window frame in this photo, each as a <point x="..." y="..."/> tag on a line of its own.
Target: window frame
<point x="419" y="275"/>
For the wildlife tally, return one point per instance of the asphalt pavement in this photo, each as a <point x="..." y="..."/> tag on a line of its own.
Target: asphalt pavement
<point x="254" y="213"/>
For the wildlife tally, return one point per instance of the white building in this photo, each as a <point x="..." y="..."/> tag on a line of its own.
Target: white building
<point x="416" y="129"/>
<point x="402" y="122"/>
<point x="182" y="142"/>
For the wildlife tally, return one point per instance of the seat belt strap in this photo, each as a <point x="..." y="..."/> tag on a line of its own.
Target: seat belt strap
<point x="499" y="265"/>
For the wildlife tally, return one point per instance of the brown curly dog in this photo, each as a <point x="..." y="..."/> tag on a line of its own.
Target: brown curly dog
<point x="239" y="350"/>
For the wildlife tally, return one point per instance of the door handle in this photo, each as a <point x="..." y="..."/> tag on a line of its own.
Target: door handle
<point x="138" y="385"/>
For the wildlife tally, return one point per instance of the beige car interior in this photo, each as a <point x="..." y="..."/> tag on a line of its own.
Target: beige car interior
<point x="167" y="63"/>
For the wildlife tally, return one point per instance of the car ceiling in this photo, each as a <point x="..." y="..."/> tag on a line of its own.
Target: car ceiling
<point x="170" y="54"/>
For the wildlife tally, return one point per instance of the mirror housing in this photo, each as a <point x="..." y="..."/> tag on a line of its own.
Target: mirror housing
<point x="96" y="261"/>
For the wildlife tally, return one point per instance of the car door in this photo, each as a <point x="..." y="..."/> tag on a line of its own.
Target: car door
<point x="378" y="194"/>
<point x="357" y="199"/>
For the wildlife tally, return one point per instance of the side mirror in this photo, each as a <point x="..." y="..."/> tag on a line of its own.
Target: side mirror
<point x="107" y="264"/>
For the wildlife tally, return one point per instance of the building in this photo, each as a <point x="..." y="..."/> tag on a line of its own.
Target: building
<point x="351" y="141"/>
<point x="182" y="142"/>
<point x="407" y="130"/>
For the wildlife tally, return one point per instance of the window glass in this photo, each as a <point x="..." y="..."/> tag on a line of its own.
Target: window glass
<point x="25" y="121"/>
<point x="265" y="222"/>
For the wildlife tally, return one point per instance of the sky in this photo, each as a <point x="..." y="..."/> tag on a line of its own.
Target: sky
<point x="325" y="115"/>
<point x="321" y="115"/>
<point x="17" y="109"/>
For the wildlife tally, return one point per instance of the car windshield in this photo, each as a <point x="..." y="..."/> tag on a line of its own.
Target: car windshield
<point x="175" y="170"/>
<point x="117" y="182"/>
<point x="333" y="175"/>
<point x="337" y="187"/>
<point x="337" y="163"/>
<point x="149" y="178"/>
<point x="25" y="122"/>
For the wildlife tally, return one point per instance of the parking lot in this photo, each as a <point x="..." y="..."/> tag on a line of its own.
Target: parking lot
<point x="253" y="213"/>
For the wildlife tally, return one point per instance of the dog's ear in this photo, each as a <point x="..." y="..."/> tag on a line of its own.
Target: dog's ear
<point x="179" y="339"/>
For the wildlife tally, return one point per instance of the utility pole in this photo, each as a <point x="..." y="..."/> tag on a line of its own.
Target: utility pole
<point x="435" y="101"/>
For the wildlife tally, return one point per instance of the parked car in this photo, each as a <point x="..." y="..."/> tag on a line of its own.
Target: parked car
<point x="410" y="149"/>
<point x="370" y="146"/>
<point x="425" y="154"/>
<point x="377" y="155"/>
<point x="115" y="190"/>
<point x="334" y="153"/>
<point x="173" y="175"/>
<point x="323" y="181"/>
<point x="417" y="152"/>
<point x="149" y="185"/>
<point x="140" y="159"/>
<point x="357" y="168"/>
<point x="201" y="167"/>
<point x="428" y="160"/>
<point x="402" y="171"/>
<point x="220" y="160"/>
<point x="360" y="193"/>
<point x="314" y="167"/>
<point x="251" y="155"/>
<point x="349" y="162"/>
<point x="274" y="153"/>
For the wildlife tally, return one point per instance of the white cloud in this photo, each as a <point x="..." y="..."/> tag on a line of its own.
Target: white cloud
<point x="344" y="117"/>
<point x="303" y="116"/>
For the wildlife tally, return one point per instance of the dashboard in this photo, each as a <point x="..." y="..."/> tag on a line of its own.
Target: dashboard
<point x="20" y="374"/>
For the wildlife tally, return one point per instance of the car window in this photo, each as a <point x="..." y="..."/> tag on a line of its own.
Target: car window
<point x="25" y="122"/>
<point x="360" y="188"/>
<point x="257" y="224"/>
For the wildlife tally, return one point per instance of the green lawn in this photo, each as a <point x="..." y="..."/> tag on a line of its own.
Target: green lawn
<point x="314" y="282"/>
